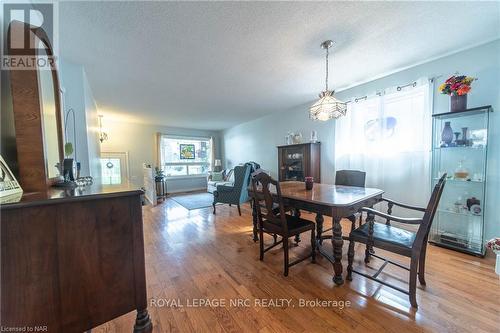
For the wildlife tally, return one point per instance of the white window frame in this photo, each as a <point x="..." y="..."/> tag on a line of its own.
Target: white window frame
<point x="187" y="164"/>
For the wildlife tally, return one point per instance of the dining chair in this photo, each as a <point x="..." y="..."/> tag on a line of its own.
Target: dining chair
<point x="397" y="240"/>
<point x="349" y="178"/>
<point x="276" y="222"/>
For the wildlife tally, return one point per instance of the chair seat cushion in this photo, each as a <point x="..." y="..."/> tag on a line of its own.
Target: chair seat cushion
<point x="385" y="234"/>
<point x="295" y="225"/>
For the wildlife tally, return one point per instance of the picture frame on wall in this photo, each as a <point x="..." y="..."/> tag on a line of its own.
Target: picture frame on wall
<point x="187" y="152"/>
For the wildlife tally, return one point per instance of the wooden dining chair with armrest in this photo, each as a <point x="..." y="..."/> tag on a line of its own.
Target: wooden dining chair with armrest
<point x="276" y="222"/>
<point x="397" y="240"/>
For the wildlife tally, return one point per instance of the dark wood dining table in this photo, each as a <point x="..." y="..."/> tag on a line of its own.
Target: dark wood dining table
<point x="325" y="200"/>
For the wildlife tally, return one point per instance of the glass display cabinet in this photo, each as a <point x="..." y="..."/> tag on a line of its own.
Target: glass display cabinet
<point x="297" y="161"/>
<point x="459" y="148"/>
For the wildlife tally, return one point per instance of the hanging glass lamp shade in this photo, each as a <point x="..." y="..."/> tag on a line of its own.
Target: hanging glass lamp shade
<point x="327" y="107"/>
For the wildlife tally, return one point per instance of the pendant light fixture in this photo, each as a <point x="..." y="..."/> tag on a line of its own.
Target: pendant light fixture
<point x="327" y="107"/>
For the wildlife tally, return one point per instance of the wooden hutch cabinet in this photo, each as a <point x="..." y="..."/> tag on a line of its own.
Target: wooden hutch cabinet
<point x="297" y="161"/>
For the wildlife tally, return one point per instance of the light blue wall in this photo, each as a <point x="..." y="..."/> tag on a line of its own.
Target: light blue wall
<point x="78" y="96"/>
<point x="257" y="140"/>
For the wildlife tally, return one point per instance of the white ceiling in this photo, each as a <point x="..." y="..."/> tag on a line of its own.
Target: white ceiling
<point x="212" y="65"/>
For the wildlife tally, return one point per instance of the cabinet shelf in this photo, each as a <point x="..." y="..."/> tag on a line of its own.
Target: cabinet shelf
<point x="460" y="181"/>
<point x="472" y="148"/>
<point x="464" y="214"/>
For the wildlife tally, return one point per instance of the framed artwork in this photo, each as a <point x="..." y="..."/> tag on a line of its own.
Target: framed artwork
<point x="187" y="151"/>
<point x="10" y="190"/>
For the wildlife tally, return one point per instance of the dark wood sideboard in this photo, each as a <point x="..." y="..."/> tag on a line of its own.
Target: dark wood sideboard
<point x="73" y="259"/>
<point x="297" y="161"/>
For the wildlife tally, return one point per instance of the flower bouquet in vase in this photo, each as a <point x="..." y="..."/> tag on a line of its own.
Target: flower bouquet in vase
<point x="457" y="88"/>
<point x="494" y="245"/>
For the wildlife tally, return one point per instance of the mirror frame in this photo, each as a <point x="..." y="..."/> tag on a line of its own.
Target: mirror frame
<point x="28" y="113"/>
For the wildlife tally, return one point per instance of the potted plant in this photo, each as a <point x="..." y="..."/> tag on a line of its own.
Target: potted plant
<point x="159" y="174"/>
<point x="457" y="88"/>
<point x="160" y="184"/>
<point x="494" y="245"/>
<point x="68" y="163"/>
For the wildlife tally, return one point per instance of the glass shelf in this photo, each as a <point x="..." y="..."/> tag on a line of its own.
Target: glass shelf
<point x="461" y="147"/>
<point x="461" y="181"/>
<point x="465" y="214"/>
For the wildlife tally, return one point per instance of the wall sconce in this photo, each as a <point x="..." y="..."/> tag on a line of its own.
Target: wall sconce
<point x="102" y="135"/>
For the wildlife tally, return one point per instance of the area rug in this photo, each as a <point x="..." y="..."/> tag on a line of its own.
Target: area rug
<point x="194" y="201"/>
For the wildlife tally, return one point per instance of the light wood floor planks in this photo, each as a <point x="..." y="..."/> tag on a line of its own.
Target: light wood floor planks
<point x="196" y="255"/>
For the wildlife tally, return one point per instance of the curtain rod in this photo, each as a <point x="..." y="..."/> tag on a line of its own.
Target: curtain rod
<point x="412" y="84"/>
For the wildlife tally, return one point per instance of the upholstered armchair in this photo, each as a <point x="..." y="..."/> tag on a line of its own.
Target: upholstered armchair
<point x="237" y="193"/>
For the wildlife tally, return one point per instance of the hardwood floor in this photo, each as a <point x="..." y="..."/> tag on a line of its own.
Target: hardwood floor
<point x="194" y="255"/>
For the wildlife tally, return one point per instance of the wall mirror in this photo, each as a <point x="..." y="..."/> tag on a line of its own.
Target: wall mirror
<point x="37" y="110"/>
<point x="49" y="111"/>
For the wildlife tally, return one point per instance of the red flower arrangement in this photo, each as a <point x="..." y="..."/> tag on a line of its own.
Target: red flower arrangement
<point x="493" y="244"/>
<point x="457" y="85"/>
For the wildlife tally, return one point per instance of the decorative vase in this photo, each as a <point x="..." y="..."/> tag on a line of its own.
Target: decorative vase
<point x="297" y="138"/>
<point x="465" y="139"/>
<point x="447" y="134"/>
<point x="461" y="172"/>
<point x="458" y="103"/>
<point x="309" y="183"/>
<point x="69" y="168"/>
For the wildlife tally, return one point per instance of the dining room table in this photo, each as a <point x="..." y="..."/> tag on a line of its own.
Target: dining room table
<point x="335" y="201"/>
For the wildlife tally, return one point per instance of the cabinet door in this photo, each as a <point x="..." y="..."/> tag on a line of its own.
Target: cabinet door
<point x="293" y="166"/>
<point x="30" y="293"/>
<point x="96" y="261"/>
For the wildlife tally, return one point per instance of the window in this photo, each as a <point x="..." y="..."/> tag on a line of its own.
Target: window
<point x="185" y="156"/>
<point x="113" y="168"/>
<point x="388" y="137"/>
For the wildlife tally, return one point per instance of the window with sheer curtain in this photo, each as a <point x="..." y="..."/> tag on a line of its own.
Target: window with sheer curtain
<point x="389" y="137"/>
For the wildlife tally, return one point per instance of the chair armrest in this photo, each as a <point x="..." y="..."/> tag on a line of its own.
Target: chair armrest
<point x="391" y="217"/>
<point x="225" y="188"/>
<point x="420" y="209"/>
<point x="227" y="176"/>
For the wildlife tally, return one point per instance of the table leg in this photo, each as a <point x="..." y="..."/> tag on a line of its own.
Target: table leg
<point x="254" y="219"/>
<point x="319" y="227"/>
<point x="296" y="213"/>
<point x="337" y="243"/>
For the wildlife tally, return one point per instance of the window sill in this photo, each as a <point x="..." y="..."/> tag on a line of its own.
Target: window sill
<point x="185" y="177"/>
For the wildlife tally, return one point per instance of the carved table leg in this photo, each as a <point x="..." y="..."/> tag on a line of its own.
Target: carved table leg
<point x="143" y="322"/>
<point x="296" y="213"/>
<point x="254" y="218"/>
<point x="369" y="242"/>
<point x="319" y="227"/>
<point x="337" y="242"/>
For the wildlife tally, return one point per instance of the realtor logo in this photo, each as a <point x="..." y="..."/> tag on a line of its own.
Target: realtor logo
<point x="28" y="29"/>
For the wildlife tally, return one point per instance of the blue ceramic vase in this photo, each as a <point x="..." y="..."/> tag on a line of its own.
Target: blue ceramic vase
<point x="447" y="134"/>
